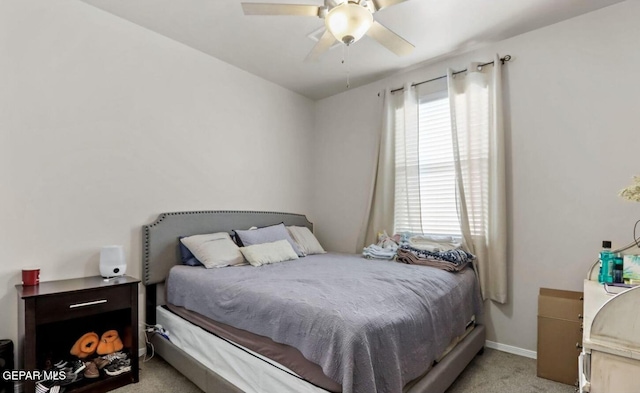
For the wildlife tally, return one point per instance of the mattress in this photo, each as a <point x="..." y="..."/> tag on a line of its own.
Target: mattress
<point x="283" y="355"/>
<point x="370" y="325"/>
<point x="231" y="361"/>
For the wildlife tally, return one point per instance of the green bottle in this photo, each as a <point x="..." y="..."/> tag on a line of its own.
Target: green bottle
<point x="606" y="263"/>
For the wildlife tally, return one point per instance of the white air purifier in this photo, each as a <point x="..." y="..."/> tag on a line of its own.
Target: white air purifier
<point x="112" y="262"/>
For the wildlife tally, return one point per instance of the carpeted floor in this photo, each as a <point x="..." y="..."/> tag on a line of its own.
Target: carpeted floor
<point x="501" y="372"/>
<point x="493" y="372"/>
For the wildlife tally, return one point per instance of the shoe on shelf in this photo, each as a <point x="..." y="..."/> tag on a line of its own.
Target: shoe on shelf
<point x="91" y="371"/>
<point x="70" y="376"/>
<point x="77" y="366"/>
<point x="109" y="343"/>
<point x="101" y="362"/>
<point x="116" y="355"/>
<point x="79" y="377"/>
<point x="43" y="386"/>
<point x="118" y="367"/>
<point x="60" y="365"/>
<point x="85" y="346"/>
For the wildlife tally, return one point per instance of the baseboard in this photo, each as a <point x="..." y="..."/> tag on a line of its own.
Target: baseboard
<point x="142" y="351"/>
<point x="511" y="349"/>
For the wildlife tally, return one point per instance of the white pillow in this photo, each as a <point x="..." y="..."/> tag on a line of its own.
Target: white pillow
<point x="265" y="253"/>
<point x="306" y="240"/>
<point x="268" y="234"/>
<point x="214" y="249"/>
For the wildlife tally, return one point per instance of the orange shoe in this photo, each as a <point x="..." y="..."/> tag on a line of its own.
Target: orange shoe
<point x="109" y="343"/>
<point x="85" y="346"/>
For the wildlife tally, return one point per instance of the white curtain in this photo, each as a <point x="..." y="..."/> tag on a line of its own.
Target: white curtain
<point x="417" y="176"/>
<point x="478" y="148"/>
<point x="408" y="204"/>
<point x="380" y="209"/>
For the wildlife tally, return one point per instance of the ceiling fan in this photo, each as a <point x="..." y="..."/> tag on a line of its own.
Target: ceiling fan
<point x="345" y="21"/>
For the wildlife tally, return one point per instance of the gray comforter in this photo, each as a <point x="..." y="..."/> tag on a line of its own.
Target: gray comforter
<point x="371" y="325"/>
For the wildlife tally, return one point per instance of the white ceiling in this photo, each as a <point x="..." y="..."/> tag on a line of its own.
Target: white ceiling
<point x="274" y="47"/>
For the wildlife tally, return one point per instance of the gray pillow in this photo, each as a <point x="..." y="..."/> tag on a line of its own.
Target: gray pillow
<point x="268" y="234"/>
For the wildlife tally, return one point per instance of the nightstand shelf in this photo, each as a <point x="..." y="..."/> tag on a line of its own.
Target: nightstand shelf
<point x="53" y="315"/>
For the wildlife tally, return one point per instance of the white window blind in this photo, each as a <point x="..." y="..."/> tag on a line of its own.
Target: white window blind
<point x="425" y="199"/>
<point x="425" y="191"/>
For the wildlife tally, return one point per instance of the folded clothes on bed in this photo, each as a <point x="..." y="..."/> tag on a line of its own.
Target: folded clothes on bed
<point x="384" y="249"/>
<point x="376" y="252"/>
<point x="434" y="243"/>
<point x="452" y="260"/>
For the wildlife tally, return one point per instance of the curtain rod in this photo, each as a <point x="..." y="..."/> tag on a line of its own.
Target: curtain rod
<point x="502" y="60"/>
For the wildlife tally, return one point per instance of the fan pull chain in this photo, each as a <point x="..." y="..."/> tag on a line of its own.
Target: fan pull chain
<point x="345" y="60"/>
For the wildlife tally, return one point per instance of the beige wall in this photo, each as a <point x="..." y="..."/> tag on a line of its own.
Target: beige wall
<point x="571" y="98"/>
<point x="103" y="125"/>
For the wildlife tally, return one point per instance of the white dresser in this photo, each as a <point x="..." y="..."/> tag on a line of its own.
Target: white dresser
<point x="610" y="357"/>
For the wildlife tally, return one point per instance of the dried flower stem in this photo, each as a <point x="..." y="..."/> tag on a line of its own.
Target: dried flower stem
<point x="632" y="192"/>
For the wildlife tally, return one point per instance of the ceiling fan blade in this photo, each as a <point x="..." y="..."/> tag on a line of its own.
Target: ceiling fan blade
<point x="322" y="46"/>
<point x="390" y="40"/>
<point x="380" y="4"/>
<point x="280" y="9"/>
<point x="332" y="3"/>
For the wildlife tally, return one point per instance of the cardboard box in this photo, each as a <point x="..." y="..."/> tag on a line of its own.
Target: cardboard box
<point x="559" y="334"/>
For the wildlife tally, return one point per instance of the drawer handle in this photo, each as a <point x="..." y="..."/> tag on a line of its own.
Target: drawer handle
<point x="578" y="346"/>
<point x="580" y="316"/>
<point x="77" y="305"/>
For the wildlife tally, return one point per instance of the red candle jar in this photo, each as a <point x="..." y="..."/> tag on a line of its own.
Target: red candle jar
<point x="30" y="277"/>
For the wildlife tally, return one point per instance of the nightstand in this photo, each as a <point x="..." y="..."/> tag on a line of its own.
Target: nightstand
<point x="54" y="314"/>
<point x="610" y="358"/>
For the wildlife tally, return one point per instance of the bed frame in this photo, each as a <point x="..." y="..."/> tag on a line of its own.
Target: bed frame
<point x="160" y="253"/>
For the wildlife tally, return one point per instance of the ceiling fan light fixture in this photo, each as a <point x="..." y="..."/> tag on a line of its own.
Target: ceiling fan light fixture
<point x="348" y="22"/>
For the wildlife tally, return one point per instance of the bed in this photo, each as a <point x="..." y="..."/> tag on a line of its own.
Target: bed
<point x="385" y="335"/>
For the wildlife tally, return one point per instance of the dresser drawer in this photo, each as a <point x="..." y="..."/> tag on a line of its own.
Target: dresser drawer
<point x="82" y="303"/>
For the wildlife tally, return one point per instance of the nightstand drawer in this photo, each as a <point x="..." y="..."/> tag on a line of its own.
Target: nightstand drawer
<point x="82" y="303"/>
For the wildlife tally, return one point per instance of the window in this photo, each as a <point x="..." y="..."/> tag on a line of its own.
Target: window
<point x="449" y="168"/>
<point x="425" y="195"/>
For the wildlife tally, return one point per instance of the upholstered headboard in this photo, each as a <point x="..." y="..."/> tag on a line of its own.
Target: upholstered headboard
<point x="160" y="239"/>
